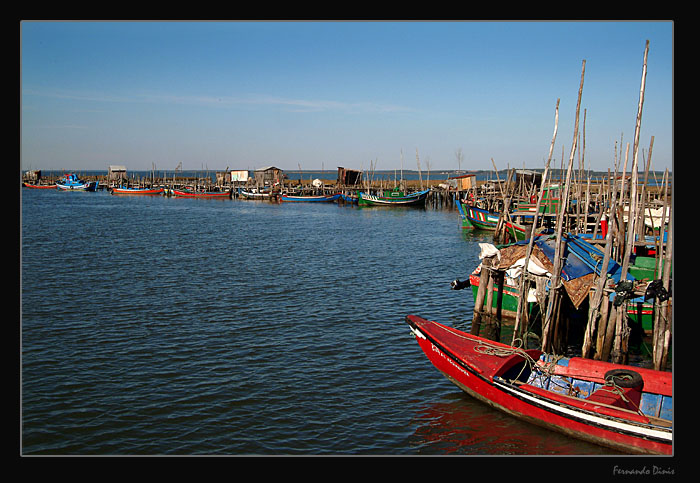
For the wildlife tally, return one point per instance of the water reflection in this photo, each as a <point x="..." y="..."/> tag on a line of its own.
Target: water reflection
<point x="461" y="425"/>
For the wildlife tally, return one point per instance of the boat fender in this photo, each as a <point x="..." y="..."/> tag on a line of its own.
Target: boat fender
<point x="624" y="378"/>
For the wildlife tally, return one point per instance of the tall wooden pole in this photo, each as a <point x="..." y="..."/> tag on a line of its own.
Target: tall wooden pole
<point x="556" y="275"/>
<point x="662" y="324"/>
<point x="598" y="295"/>
<point x="523" y="296"/>
<point x="621" y="329"/>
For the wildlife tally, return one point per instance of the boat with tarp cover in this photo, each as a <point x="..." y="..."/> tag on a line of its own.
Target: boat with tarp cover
<point x="627" y="408"/>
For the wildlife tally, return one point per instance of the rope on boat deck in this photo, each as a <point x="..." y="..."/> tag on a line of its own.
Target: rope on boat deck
<point x="614" y="388"/>
<point x="483" y="347"/>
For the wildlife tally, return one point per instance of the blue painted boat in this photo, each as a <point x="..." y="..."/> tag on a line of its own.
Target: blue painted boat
<point x="349" y="198"/>
<point x="71" y="182"/>
<point x="321" y="198"/>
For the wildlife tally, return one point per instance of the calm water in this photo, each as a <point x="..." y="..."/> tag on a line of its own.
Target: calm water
<point x="167" y="326"/>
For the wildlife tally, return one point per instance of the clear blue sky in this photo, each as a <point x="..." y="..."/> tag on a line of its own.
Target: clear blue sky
<point x="244" y="95"/>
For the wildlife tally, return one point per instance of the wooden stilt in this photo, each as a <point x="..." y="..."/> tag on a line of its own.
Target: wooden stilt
<point x="484" y="279"/>
<point x="523" y="295"/>
<point x="550" y="322"/>
<point x="622" y="330"/>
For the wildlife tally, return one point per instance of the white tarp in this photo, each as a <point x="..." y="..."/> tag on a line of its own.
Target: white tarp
<point x="488" y="250"/>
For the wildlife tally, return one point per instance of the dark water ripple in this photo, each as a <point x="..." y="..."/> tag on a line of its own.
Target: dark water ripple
<point x="175" y="326"/>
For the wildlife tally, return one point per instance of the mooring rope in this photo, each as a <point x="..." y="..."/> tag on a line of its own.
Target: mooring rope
<point x="618" y="390"/>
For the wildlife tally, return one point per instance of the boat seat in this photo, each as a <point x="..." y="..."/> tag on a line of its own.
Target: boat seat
<point x="625" y="398"/>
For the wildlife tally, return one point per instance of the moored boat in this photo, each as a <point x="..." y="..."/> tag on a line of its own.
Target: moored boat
<point x="254" y="194"/>
<point x="310" y="198"/>
<point x="71" y="182"/>
<point x="185" y="193"/>
<point x="137" y="191"/>
<point x="351" y="198"/>
<point x="480" y="219"/>
<point x="477" y="218"/>
<point x="39" y="186"/>
<point x="582" y="266"/>
<point x="626" y="408"/>
<point x="392" y="198"/>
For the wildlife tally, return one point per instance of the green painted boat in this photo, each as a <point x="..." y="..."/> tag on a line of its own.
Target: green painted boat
<point x="480" y="219"/>
<point x="392" y="198"/>
<point x="511" y="294"/>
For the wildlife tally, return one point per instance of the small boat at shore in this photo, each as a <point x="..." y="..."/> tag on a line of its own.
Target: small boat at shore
<point x="627" y="408"/>
<point x="137" y="191"/>
<point x="71" y="182"/>
<point x="392" y="198"/>
<point x="310" y="198"/>
<point x="200" y="194"/>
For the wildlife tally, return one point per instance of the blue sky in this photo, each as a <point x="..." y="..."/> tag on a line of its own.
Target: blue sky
<point x="244" y="95"/>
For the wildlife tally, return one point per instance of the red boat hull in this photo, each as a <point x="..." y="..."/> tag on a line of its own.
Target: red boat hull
<point x="483" y="369"/>
<point x="40" y="186"/>
<point x="134" y="191"/>
<point x="202" y="194"/>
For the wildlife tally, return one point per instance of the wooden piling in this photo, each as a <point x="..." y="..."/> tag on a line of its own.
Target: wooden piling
<point x="523" y="294"/>
<point x="484" y="280"/>
<point x="550" y="319"/>
<point x="620" y="355"/>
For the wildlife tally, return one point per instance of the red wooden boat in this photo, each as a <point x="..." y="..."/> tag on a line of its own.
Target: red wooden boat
<point x="39" y="186"/>
<point x="626" y="408"/>
<point x="201" y="194"/>
<point x="137" y="191"/>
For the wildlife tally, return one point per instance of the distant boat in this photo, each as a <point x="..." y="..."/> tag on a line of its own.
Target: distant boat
<point x="349" y="198"/>
<point x="254" y="195"/>
<point x="137" y="191"/>
<point x="627" y="408"/>
<point x="301" y="198"/>
<point x="393" y="198"/>
<point x="39" y="186"/>
<point x="201" y="194"/>
<point x="71" y="182"/>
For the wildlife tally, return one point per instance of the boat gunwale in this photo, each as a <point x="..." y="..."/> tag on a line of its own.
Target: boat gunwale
<point x="617" y="420"/>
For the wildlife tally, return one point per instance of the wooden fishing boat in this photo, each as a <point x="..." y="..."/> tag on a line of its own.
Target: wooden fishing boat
<point x="349" y="198"/>
<point x="626" y="408"/>
<point x="510" y="294"/>
<point x="39" y="186"/>
<point x="137" y="191"/>
<point x="185" y="193"/>
<point x="302" y="198"/>
<point x="254" y="195"/>
<point x="480" y="219"/>
<point x="581" y="267"/>
<point x="392" y="198"/>
<point x="71" y="182"/>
